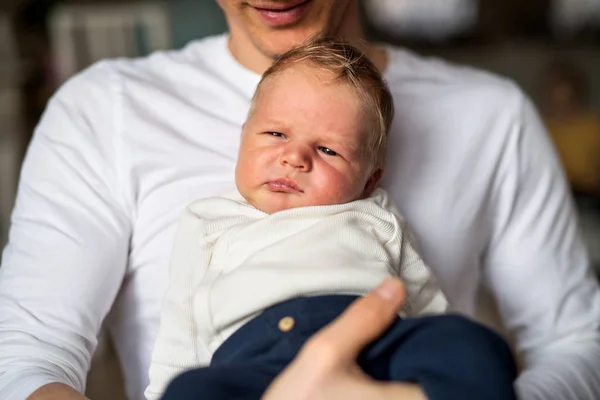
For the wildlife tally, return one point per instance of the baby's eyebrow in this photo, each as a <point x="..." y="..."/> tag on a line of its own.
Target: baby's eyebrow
<point x="274" y="122"/>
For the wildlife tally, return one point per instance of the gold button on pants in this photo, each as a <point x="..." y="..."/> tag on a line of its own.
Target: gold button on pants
<point x="286" y="324"/>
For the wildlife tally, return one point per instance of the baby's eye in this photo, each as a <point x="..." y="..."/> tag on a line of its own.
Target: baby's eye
<point x="276" y="134"/>
<point x="327" y="151"/>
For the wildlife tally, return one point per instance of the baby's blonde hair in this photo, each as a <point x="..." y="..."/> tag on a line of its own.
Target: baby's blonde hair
<point x="350" y="66"/>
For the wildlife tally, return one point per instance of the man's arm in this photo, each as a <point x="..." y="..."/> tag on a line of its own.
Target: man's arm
<point x="56" y="391"/>
<point x="538" y="269"/>
<point x="68" y="244"/>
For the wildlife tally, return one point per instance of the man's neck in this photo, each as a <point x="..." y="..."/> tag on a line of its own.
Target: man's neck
<point x="247" y="54"/>
<point x="250" y="57"/>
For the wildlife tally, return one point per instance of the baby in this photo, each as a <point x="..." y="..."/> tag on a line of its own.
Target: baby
<point x="253" y="275"/>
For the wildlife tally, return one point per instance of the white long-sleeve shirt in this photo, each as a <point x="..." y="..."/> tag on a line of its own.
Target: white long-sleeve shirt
<point x="126" y="145"/>
<point x="231" y="261"/>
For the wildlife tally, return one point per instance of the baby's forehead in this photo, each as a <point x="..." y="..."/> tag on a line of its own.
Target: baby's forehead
<point x="306" y="71"/>
<point x="298" y="73"/>
<point x="277" y="88"/>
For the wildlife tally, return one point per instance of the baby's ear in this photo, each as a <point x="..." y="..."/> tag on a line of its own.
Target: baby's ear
<point x="372" y="183"/>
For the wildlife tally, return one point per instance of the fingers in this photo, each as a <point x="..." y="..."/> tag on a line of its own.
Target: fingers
<point x="363" y="322"/>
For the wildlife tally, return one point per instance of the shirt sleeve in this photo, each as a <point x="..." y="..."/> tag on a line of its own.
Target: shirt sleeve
<point x="423" y="293"/>
<point x="538" y="269"/>
<point x="68" y="244"/>
<point x="176" y="347"/>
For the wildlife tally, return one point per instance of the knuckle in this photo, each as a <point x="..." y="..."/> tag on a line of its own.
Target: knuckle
<point x="322" y="350"/>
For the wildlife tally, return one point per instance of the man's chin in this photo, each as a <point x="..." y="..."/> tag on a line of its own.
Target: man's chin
<point x="277" y="43"/>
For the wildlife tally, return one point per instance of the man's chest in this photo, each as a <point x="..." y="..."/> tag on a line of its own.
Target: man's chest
<point x="171" y="165"/>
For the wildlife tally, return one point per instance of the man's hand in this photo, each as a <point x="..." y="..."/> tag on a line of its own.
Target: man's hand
<point x="326" y="366"/>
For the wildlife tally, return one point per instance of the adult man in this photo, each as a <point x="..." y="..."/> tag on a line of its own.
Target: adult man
<point x="125" y="146"/>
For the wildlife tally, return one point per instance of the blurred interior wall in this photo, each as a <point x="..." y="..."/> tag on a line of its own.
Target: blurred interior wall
<point x="195" y="19"/>
<point x="11" y="128"/>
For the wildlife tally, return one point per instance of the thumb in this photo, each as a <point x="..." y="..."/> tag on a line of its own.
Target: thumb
<point x="364" y="321"/>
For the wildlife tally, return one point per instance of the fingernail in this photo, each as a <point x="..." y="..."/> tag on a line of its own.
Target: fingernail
<point x="390" y="289"/>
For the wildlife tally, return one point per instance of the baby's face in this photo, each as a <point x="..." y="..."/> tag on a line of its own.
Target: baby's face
<point x="303" y="145"/>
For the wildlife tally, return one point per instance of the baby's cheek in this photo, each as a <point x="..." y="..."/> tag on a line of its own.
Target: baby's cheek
<point x="339" y="190"/>
<point x="353" y="187"/>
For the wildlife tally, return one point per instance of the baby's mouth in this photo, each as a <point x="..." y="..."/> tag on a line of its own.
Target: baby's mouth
<point x="284" y="185"/>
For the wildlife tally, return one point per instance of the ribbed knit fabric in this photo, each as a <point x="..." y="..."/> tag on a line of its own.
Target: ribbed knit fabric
<point x="230" y="261"/>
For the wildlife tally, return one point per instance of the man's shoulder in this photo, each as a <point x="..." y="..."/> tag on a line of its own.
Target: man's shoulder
<point x="157" y="67"/>
<point x="434" y="76"/>
<point x="435" y="98"/>
<point x="196" y="54"/>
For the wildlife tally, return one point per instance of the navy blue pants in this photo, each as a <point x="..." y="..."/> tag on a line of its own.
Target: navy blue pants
<point x="449" y="356"/>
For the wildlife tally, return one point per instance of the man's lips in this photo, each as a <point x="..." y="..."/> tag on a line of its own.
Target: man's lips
<point x="277" y="15"/>
<point x="284" y="185"/>
<point x="277" y="6"/>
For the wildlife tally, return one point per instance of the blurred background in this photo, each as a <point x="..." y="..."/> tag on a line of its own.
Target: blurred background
<point x="551" y="48"/>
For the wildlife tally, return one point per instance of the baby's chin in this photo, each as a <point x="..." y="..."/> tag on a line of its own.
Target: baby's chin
<point x="271" y="205"/>
<point x="276" y="202"/>
<point x="271" y="202"/>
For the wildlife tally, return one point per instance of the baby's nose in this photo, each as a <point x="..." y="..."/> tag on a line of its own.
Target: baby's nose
<point x="297" y="156"/>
